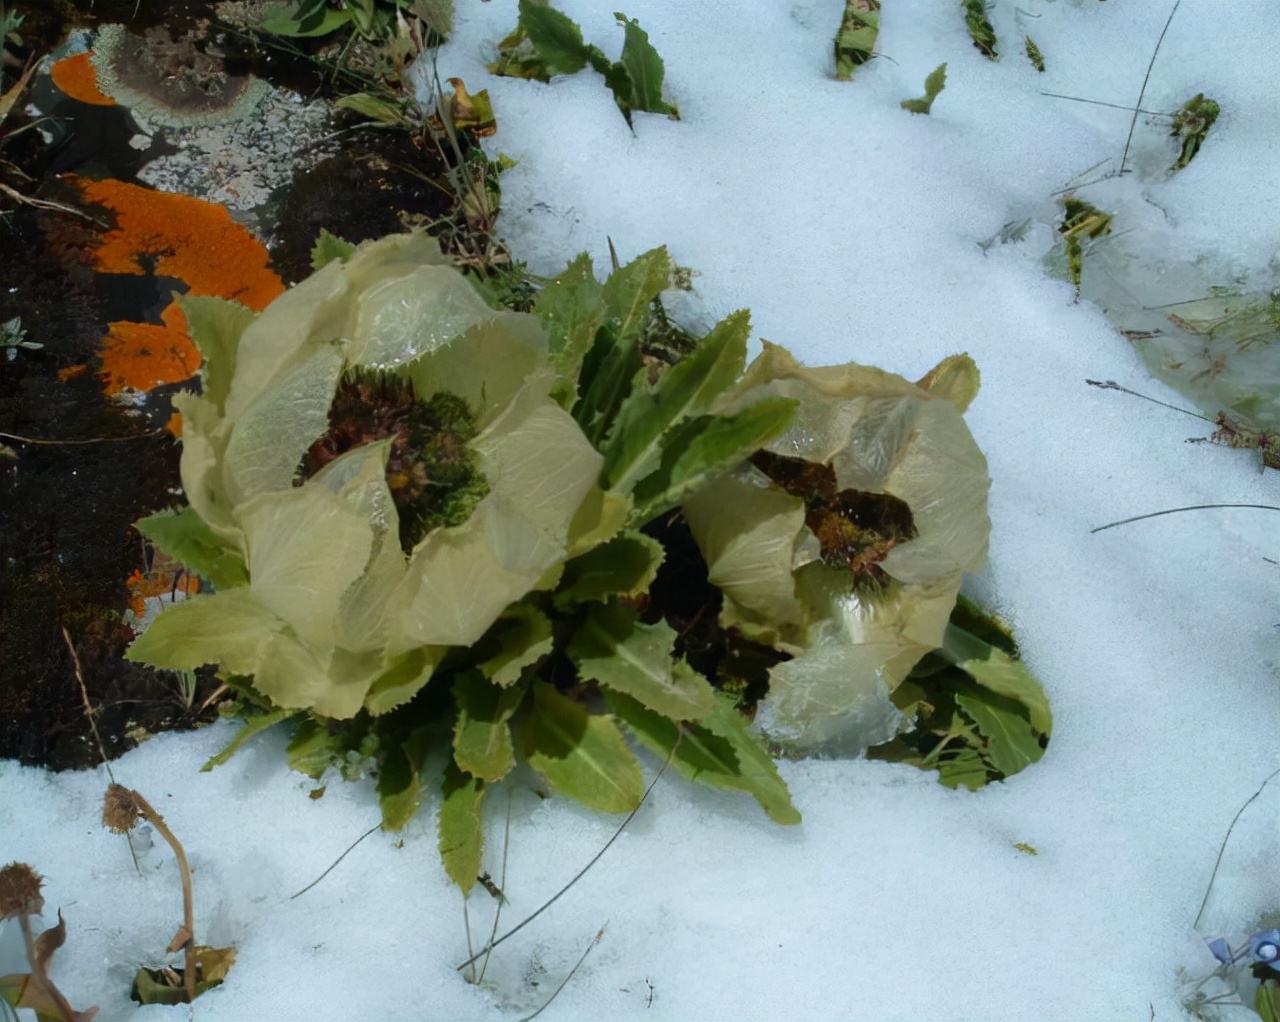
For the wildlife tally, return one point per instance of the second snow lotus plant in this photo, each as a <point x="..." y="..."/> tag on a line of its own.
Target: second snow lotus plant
<point x="452" y="537"/>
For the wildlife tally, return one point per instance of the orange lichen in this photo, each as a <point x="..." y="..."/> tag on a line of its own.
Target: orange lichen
<point x="72" y="371"/>
<point x="178" y="236"/>
<point x="77" y="78"/>
<point x="140" y="356"/>
<point x="161" y="580"/>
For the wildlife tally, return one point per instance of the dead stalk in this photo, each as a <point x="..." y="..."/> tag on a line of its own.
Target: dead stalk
<point x="40" y="973"/>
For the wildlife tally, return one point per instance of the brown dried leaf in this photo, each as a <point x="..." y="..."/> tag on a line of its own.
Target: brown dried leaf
<point x="180" y="939"/>
<point x="49" y="942"/>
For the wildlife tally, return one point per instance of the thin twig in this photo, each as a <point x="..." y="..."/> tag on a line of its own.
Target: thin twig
<point x="91" y="440"/>
<point x="1145" y="78"/>
<point x="565" y="982"/>
<point x="1112" y="385"/>
<point x="466" y="925"/>
<point x="582" y="872"/>
<point x="1176" y="510"/>
<point x="502" y="887"/>
<point x="1227" y="837"/>
<point x="93" y="726"/>
<point x="48" y="204"/>
<point x="333" y="866"/>
<point x="1103" y="102"/>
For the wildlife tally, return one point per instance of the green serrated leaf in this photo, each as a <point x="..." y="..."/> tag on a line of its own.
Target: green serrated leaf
<point x="314" y="748"/>
<point x="580" y="754"/>
<point x="572" y="308"/>
<point x="482" y="737"/>
<point x="630" y="289"/>
<point x="614" y="648"/>
<point x="703" y="448"/>
<point x="185" y="537"/>
<point x="758" y="774"/>
<point x="555" y="37"/>
<point x="399" y="788"/>
<point x="963" y="768"/>
<point x="215" y="325"/>
<point x="644" y="71"/>
<point x="329" y="247"/>
<point x="933" y="85"/>
<point x="689" y="388"/>
<point x="709" y="757"/>
<point x="994" y="669"/>
<point x="461" y="827"/>
<point x="253" y="726"/>
<point x="521" y="637"/>
<point x="229" y="628"/>
<point x="624" y="566"/>
<point x="1011" y="743"/>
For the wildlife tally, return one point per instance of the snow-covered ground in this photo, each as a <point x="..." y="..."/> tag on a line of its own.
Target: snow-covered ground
<point x="851" y="230"/>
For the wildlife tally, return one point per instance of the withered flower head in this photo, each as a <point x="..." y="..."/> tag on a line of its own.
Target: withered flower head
<point x="20" y="891"/>
<point x="119" y="809"/>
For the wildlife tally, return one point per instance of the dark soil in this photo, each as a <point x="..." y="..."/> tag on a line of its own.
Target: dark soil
<point x="67" y="544"/>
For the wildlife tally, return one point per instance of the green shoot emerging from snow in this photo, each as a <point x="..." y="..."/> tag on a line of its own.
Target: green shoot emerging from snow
<point x="933" y="85"/>
<point x="1081" y="222"/>
<point x="1191" y="125"/>
<point x="980" y="28"/>
<point x="1034" y="55"/>
<point x="856" y="40"/>
<point x="546" y="43"/>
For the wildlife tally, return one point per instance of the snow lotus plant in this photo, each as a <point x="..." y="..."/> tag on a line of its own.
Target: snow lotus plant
<point x="450" y="537"/>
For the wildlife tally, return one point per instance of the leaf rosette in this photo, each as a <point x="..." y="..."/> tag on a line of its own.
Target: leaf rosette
<point x="324" y="599"/>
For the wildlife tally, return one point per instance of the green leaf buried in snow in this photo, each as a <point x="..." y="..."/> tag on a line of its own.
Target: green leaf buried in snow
<point x="329" y="247"/>
<point x="705" y="447"/>
<point x="164" y="986"/>
<point x="933" y="85"/>
<point x="615" y="649"/>
<point x="581" y="754"/>
<point x="1081" y="222"/>
<point x="721" y="752"/>
<point x="644" y="73"/>
<point x="963" y="768"/>
<point x="1034" y="55"/>
<point x="956" y="378"/>
<point x="1191" y="126"/>
<point x="996" y="670"/>
<point x="1011" y="743"/>
<point x="624" y="566"/>
<point x="482" y="743"/>
<point x="856" y="39"/>
<point x="689" y="388"/>
<point x="555" y="37"/>
<point x="185" y="537"/>
<point x="980" y="29"/>
<point x="461" y="827"/>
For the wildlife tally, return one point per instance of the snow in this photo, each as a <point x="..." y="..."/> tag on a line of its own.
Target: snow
<point x="851" y="230"/>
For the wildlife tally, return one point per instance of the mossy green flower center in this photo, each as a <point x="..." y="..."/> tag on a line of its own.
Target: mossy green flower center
<point x="432" y="472"/>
